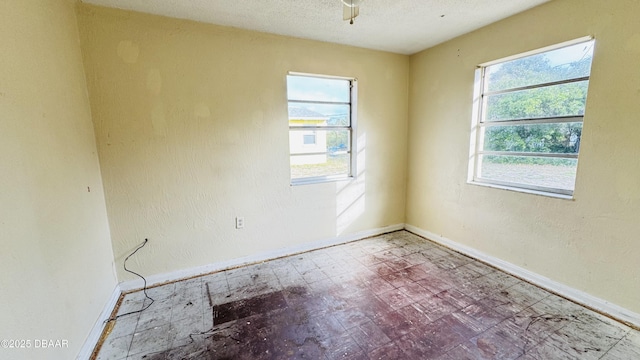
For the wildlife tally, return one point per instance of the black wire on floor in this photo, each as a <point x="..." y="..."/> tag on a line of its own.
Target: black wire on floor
<point x="144" y="289"/>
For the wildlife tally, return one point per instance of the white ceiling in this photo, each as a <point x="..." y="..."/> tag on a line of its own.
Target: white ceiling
<point x="399" y="26"/>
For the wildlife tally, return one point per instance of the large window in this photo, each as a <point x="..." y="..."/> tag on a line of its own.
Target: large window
<point x="321" y="127"/>
<point x="528" y="119"/>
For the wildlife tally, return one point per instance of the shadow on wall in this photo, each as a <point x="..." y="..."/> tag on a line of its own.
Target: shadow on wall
<point x="350" y="195"/>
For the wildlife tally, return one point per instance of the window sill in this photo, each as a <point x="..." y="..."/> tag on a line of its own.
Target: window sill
<point x="320" y="179"/>
<point x="523" y="190"/>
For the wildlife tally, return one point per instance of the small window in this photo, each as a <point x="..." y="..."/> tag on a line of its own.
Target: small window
<point x="528" y="119"/>
<point x="321" y="127"/>
<point x="309" y="139"/>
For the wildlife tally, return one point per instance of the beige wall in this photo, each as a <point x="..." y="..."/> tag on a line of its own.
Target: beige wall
<point x="190" y="121"/>
<point x="191" y="124"/>
<point x="590" y="243"/>
<point x="56" y="259"/>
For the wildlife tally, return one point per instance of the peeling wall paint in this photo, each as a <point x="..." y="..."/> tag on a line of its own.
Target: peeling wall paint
<point x="590" y="243"/>
<point x="192" y="131"/>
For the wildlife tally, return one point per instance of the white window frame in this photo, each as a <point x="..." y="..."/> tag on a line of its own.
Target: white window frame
<point x="351" y="128"/>
<point x="479" y="123"/>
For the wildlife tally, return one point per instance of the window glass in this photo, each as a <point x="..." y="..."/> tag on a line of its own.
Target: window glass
<point x="532" y="171"/>
<point x="554" y="138"/>
<point x="568" y="62"/>
<point x="312" y="114"/>
<point x="318" y="89"/>
<point x="325" y="105"/>
<point x="530" y="119"/>
<point x="549" y="101"/>
<point x="314" y="166"/>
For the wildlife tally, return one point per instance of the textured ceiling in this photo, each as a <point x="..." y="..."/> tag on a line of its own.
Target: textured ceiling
<point x="400" y="26"/>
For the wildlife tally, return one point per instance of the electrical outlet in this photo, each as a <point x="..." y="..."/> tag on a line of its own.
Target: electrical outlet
<point x="239" y="222"/>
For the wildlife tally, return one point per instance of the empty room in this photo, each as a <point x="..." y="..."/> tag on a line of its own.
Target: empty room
<point x="320" y="179"/>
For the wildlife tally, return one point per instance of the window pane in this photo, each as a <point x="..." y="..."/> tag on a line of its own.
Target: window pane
<point x="566" y="63"/>
<point x="319" y="165"/>
<point x="318" y="89"/>
<point x="551" y="101"/>
<point x="338" y="141"/>
<point x="320" y="127"/>
<point x="561" y="138"/>
<point x="309" y="114"/>
<point x="545" y="172"/>
<point x="326" y="141"/>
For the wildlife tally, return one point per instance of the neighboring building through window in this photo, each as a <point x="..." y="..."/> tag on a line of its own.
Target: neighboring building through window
<point x="528" y="117"/>
<point x="321" y="127"/>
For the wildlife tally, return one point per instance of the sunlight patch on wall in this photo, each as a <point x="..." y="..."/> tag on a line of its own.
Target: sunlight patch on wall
<point x="350" y="196"/>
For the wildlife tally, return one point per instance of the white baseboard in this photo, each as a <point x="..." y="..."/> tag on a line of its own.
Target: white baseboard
<point x="602" y="306"/>
<point x="94" y="336"/>
<point x="137" y="284"/>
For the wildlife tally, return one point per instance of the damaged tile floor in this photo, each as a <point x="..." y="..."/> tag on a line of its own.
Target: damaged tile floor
<point x="395" y="296"/>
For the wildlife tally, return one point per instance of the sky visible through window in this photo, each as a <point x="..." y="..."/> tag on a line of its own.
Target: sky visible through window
<point x="570" y="54"/>
<point x="305" y="88"/>
<point x="556" y="62"/>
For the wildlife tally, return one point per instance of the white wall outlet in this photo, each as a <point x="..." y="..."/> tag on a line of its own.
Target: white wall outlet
<point x="239" y="222"/>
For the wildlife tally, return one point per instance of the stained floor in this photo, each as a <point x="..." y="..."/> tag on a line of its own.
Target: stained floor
<point x="395" y="296"/>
